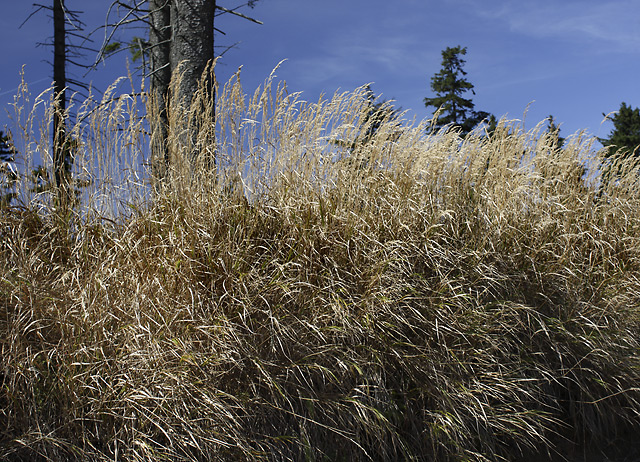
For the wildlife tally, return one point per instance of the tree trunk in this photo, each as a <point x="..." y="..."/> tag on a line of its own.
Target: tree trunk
<point x="60" y="146"/>
<point x="160" y="53"/>
<point x="192" y="43"/>
<point x="181" y="38"/>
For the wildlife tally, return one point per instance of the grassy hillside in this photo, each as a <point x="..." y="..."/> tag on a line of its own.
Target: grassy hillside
<point x="420" y="297"/>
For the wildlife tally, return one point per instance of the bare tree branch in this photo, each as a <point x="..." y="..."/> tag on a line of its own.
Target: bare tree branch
<point x="40" y="7"/>
<point x="225" y="10"/>
<point x="228" y="48"/>
<point x="123" y="21"/>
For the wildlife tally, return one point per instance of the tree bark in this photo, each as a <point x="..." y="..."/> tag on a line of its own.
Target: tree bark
<point x="181" y="37"/>
<point x="61" y="146"/>
<point x="192" y="43"/>
<point x="160" y="78"/>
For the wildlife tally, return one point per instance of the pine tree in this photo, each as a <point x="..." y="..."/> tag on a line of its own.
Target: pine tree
<point x="449" y="85"/>
<point x="376" y="113"/>
<point x="554" y="130"/>
<point x="625" y="136"/>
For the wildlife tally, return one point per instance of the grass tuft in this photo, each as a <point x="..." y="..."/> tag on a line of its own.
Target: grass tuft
<point x="282" y="297"/>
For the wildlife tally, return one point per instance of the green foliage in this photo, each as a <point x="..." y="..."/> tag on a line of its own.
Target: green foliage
<point x="492" y="124"/>
<point x="376" y="113"/>
<point x="624" y="139"/>
<point x="8" y="173"/>
<point x="42" y="180"/>
<point x="554" y="130"/>
<point x="138" y="47"/>
<point x="6" y="148"/>
<point x="449" y="85"/>
<point x="112" y="47"/>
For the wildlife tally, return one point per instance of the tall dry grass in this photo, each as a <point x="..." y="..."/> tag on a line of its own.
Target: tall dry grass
<point x="422" y="297"/>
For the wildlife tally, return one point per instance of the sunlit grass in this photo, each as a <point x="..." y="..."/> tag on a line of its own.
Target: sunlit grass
<point x="421" y="298"/>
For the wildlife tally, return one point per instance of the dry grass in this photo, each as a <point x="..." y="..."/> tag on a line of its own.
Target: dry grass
<point x="425" y="298"/>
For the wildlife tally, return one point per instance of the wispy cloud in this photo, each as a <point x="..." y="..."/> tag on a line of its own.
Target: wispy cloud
<point x="613" y="24"/>
<point x="361" y="54"/>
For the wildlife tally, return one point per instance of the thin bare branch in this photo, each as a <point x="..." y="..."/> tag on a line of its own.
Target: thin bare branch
<point x="227" y="48"/>
<point x="40" y="7"/>
<point x="225" y="10"/>
<point x="123" y="21"/>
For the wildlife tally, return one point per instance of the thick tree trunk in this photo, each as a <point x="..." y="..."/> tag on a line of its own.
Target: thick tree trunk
<point x="60" y="146"/>
<point x="160" y="40"/>
<point x="181" y="38"/>
<point x="160" y="53"/>
<point x="192" y="42"/>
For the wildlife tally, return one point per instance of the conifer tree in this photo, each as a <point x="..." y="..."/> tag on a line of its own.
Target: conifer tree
<point x="554" y="130"/>
<point x="625" y="136"/>
<point x="449" y="85"/>
<point x="376" y="114"/>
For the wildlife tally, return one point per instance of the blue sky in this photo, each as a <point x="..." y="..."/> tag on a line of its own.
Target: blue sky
<point x="573" y="59"/>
